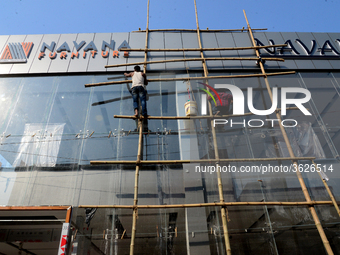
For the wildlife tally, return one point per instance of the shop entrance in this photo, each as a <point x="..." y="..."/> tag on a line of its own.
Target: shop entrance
<point x="40" y="230"/>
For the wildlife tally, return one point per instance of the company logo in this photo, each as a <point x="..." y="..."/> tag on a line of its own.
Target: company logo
<point x="238" y="103"/>
<point x="16" y="53"/>
<point x="90" y="49"/>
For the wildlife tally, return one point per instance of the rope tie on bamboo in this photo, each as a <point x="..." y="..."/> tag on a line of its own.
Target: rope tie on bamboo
<point x="135" y="210"/>
<point x="260" y="60"/>
<point x="227" y="213"/>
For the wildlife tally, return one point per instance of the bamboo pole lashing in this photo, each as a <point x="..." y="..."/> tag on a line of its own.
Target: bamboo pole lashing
<point x="291" y="153"/>
<point x="206" y="49"/>
<point x="194" y="59"/>
<point x="191" y="78"/>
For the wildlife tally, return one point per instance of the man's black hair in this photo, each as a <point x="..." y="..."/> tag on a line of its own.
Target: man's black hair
<point x="137" y="68"/>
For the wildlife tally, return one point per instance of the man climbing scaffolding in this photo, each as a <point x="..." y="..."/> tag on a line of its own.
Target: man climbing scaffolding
<point x="227" y="102"/>
<point x="138" y="91"/>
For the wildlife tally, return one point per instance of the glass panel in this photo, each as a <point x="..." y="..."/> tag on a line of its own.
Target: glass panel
<point x="322" y="106"/>
<point x="329" y="219"/>
<point x="251" y="230"/>
<point x="108" y="231"/>
<point x="294" y="230"/>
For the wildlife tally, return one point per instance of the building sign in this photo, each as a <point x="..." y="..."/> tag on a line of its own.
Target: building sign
<point x="304" y="49"/>
<point x="19" y="52"/>
<point x="81" y="50"/>
<point x="16" y="52"/>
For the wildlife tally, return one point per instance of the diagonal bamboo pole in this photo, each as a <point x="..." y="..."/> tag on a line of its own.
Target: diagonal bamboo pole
<point x="291" y="153"/>
<point x="219" y="180"/>
<point x="327" y="188"/>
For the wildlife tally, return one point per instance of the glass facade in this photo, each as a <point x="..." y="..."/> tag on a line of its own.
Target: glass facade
<point x="51" y="127"/>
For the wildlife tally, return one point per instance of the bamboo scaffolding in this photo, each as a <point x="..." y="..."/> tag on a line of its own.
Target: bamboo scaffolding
<point x="291" y="153"/>
<point x="187" y="161"/>
<point x="305" y="203"/>
<point x="223" y="204"/>
<point x="207" y="49"/>
<point x="190" y="78"/>
<point x="202" y="30"/>
<point x="328" y="190"/>
<point x="192" y="59"/>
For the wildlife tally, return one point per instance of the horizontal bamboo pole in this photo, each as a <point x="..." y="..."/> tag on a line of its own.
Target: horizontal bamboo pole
<point x="202" y="30"/>
<point x="207" y="49"/>
<point x="190" y="78"/>
<point x="33" y="208"/>
<point x="311" y="203"/>
<point x="192" y="59"/>
<point x="193" y="117"/>
<point x="187" y="161"/>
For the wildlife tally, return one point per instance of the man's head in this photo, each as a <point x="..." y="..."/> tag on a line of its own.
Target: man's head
<point x="137" y="68"/>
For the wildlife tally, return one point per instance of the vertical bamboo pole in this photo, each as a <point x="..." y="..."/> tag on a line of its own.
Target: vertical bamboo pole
<point x="291" y="153"/>
<point x="140" y="146"/>
<point x="219" y="180"/>
<point x="327" y="188"/>
<point x="146" y="39"/>
<point x="135" y="198"/>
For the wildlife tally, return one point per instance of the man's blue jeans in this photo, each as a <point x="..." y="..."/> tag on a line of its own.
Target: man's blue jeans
<point x="139" y="92"/>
